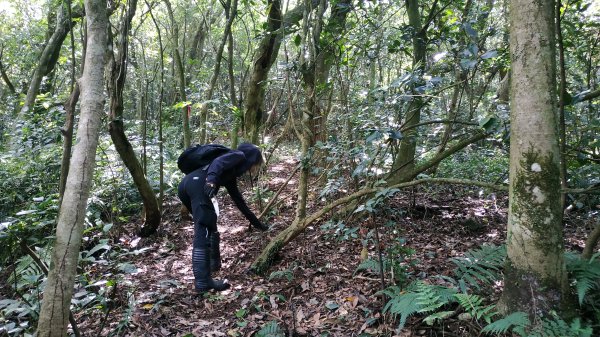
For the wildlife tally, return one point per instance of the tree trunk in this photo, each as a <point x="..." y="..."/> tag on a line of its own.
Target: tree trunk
<point x="230" y="12"/>
<point x="49" y="57"/>
<point x="187" y="136"/>
<point x="67" y="132"/>
<point x="116" y="129"/>
<point x="4" y="75"/>
<point x="54" y="313"/>
<point x="535" y="278"/>
<point x="266" y="54"/>
<point x="405" y="160"/>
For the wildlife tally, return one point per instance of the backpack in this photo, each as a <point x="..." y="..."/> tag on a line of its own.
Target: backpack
<point x="195" y="157"/>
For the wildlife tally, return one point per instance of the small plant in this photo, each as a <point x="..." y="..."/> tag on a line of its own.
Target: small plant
<point x="271" y="329"/>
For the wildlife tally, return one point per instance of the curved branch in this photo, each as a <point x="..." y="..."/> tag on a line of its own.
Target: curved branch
<point x="266" y="258"/>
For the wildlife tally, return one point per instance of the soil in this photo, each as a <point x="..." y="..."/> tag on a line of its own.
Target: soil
<point x="314" y="288"/>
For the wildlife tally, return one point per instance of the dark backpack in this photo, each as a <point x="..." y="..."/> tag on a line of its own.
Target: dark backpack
<point x="195" y="157"/>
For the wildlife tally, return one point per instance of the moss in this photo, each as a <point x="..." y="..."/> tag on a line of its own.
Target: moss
<point x="266" y="259"/>
<point x="536" y="197"/>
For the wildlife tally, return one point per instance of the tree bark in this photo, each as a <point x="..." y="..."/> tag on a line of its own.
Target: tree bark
<point x="266" y="54"/>
<point x="118" y="70"/>
<point x="591" y="243"/>
<point x="54" y="313"/>
<point x="49" y="56"/>
<point x="405" y="160"/>
<point x="535" y="278"/>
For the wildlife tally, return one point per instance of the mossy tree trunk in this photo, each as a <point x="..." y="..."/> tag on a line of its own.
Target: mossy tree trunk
<point x="266" y="54"/>
<point x="50" y="54"/>
<point x="116" y="84"/>
<point x="54" y="312"/>
<point x="535" y="277"/>
<point x="278" y="26"/>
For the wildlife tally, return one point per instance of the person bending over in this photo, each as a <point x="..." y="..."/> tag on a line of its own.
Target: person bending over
<point x="197" y="190"/>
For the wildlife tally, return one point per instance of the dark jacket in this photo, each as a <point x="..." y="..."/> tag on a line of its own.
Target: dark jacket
<point x="225" y="170"/>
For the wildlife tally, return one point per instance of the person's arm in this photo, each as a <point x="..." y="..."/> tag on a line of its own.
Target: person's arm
<point x="238" y="199"/>
<point x="223" y="163"/>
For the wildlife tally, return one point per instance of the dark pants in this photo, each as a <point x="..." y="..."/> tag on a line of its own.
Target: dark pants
<point x="191" y="194"/>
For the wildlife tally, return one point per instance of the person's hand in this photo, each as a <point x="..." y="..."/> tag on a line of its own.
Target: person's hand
<point x="260" y="226"/>
<point x="210" y="189"/>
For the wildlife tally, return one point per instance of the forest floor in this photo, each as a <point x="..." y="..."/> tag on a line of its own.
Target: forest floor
<point x="318" y="291"/>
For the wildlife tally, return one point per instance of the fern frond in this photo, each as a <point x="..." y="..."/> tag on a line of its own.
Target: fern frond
<point x="369" y="264"/>
<point x="513" y="321"/>
<point x="473" y="305"/>
<point x="480" y="266"/>
<point x="271" y="329"/>
<point x="585" y="272"/>
<point x="405" y="305"/>
<point x="419" y="297"/>
<point x="556" y="326"/>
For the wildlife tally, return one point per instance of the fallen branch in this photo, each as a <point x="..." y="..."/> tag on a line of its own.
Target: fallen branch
<point x="278" y="193"/>
<point x="267" y="256"/>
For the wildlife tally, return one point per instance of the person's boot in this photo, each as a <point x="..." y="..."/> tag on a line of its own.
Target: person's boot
<point x="201" y="267"/>
<point x="215" y="251"/>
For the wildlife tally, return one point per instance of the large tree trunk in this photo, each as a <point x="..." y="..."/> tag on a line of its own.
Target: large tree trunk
<point x="54" y="313"/>
<point x="405" y="160"/>
<point x="535" y="278"/>
<point x="117" y="133"/>
<point x="49" y="56"/>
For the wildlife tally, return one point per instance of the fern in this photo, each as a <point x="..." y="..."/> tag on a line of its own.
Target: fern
<point x="403" y="304"/>
<point x="369" y="264"/>
<point x="516" y="321"/>
<point x="473" y="305"/>
<point x="419" y="298"/>
<point x="585" y="272"/>
<point x="480" y="266"/>
<point x="558" y="327"/>
<point x="271" y="329"/>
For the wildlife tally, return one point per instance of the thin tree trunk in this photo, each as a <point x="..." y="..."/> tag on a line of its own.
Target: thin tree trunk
<point x="67" y="132"/>
<point x="231" y="13"/>
<point x="160" y="126"/>
<point x="180" y="74"/>
<point x="535" y="277"/>
<point x="5" y="77"/>
<point x="56" y="301"/>
<point x="591" y="242"/>
<point x="49" y="57"/>
<point x="117" y="131"/>
<point x="266" y="54"/>
<point x="405" y="160"/>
